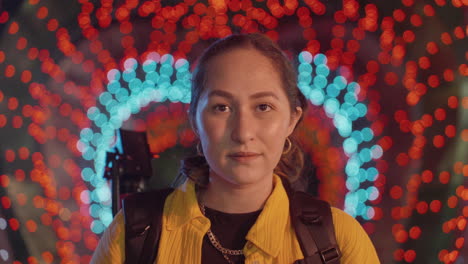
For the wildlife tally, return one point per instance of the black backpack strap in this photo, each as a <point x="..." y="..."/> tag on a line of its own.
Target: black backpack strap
<point x="143" y="223"/>
<point x="313" y="223"/>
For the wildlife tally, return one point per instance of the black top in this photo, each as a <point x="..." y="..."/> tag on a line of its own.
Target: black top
<point x="230" y="230"/>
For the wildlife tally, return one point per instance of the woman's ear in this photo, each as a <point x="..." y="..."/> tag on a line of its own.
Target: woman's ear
<point x="295" y="117"/>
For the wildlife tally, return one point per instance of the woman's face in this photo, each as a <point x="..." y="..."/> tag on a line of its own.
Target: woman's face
<point x="243" y="109"/>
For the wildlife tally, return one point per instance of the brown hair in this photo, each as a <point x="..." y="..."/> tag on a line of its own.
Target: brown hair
<point x="291" y="164"/>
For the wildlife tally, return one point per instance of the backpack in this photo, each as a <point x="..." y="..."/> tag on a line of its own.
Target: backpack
<point x="311" y="218"/>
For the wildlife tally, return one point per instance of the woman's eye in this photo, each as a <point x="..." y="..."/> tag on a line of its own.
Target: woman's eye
<point x="264" y="107"/>
<point x="220" y="108"/>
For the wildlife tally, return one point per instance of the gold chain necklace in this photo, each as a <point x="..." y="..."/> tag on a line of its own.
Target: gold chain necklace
<point x="215" y="242"/>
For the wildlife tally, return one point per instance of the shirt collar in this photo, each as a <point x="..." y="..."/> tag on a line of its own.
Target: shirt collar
<point x="266" y="234"/>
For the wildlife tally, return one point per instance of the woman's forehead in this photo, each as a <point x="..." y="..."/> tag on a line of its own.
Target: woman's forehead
<point x="242" y="69"/>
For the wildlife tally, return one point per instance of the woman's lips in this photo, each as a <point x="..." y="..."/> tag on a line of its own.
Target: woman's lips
<point x="244" y="157"/>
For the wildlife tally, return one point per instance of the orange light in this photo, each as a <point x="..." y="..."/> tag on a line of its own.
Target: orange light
<point x="415" y="232"/>
<point x="429" y="10"/>
<point x="14" y="27"/>
<point x="438" y="141"/>
<point x="450" y="131"/>
<point x="435" y="206"/>
<point x="458" y="32"/>
<point x="26" y="76"/>
<point x="416" y="20"/>
<point x="42" y="12"/>
<point x="422" y="207"/>
<point x="424" y="62"/>
<point x="3" y="121"/>
<point x="31" y="226"/>
<point x="52" y="25"/>
<point x="432" y="48"/>
<point x="446" y="38"/>
<point x="10" y="71"/>
<point x="4" y="16"/>
<point x="444" y="177"/>
<point x="410" y="255"/>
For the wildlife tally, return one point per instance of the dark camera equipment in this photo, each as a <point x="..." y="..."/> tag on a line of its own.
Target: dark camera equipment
<point x="130" y="169"/>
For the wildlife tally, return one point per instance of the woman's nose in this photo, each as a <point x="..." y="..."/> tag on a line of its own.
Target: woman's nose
<point x="242" y="126"/>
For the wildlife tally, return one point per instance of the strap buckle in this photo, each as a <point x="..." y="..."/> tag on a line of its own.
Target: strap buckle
<point x="329" y="254"/>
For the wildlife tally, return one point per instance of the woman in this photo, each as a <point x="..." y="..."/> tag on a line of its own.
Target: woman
<point x="245" y="107"/>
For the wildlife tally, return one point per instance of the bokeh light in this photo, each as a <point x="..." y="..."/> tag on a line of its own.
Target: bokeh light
<point x="386" y="128"/>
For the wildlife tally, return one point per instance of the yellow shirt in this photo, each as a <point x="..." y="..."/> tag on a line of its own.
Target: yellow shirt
<point x="271" y="240"/>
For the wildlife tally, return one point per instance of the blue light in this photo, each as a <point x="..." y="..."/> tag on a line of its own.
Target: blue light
<point x="370" y="213"/>
<point x="149" y="66"/>
<point x="362" y="195"/>
<point x="164" y="81"/>
<point x="88" y="154"/>
<point x="350" y="145"/>
<point x="174" y="94"/>
<point x="372" y="174"/>
<point x="87" y="173"/>
<point x="182" y="65"/>
<point x="167" y="59"/>
<point x="304" y="78"/>
<point x="130" y="64"/>
<point x="362" y="175"/>
<point x="305" y="89"/>
<point x="352" y="167"/>
<point x="128" y="75"/>
<point x="362" y="109"/>
<point x="340" y="82"/>
<point x="103" y="194"/>
<point x="111" y="105"/>
<point x="105" y="98"/>
<point x="320" y="81"/>
<point x="96" y="139"/>
<point x="305" y="68"/>
<point x="353" y="113"/>
<point x="322" y="69"/>
<point x="343" y="125"/>
<point x="367" y="134"/>
<point x="331" y="105"/>
<point x="332" y="90"/>
<point x="97" y="226"/>
<point x="94" y="209"/>
<point x="305" y="57"/>
<point x="353" y="87"/>
<point x="373" y="193"/>
<point x="122" y="95"/>
<point x="113" y="75"/>
<point x="377" y="152"/>
<point x="352" y="183"/>
<point x="357" y="135"/>
<point x="320" y="59"/>
<point x="317" y="96"/>
<point x="134" y="105"/>
<point x="148" y="84"/>
<point x="365" y="155"/>
<point x="105" y="217"/>
<point x="93" y="113"/>
<point x="101" y="119"/>
<point x="135" y="85"/>
<point x="86" y="134"/>
<point x="350" y="98"/>
<point x="166" y="70"/>
<point x="113" y="86"/>
<point x="152" y="76"/>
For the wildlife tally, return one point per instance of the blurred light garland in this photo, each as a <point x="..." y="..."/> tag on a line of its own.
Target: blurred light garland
<point x="120" y="102"/>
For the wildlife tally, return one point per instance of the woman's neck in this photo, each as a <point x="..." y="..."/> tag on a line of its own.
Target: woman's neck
<point x="231" y="198"/>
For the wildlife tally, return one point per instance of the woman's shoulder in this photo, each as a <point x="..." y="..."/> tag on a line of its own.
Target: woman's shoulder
<point x="353" y="241"/>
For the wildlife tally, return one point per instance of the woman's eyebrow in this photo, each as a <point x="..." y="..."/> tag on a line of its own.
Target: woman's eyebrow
<point x="228" y="95"/>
